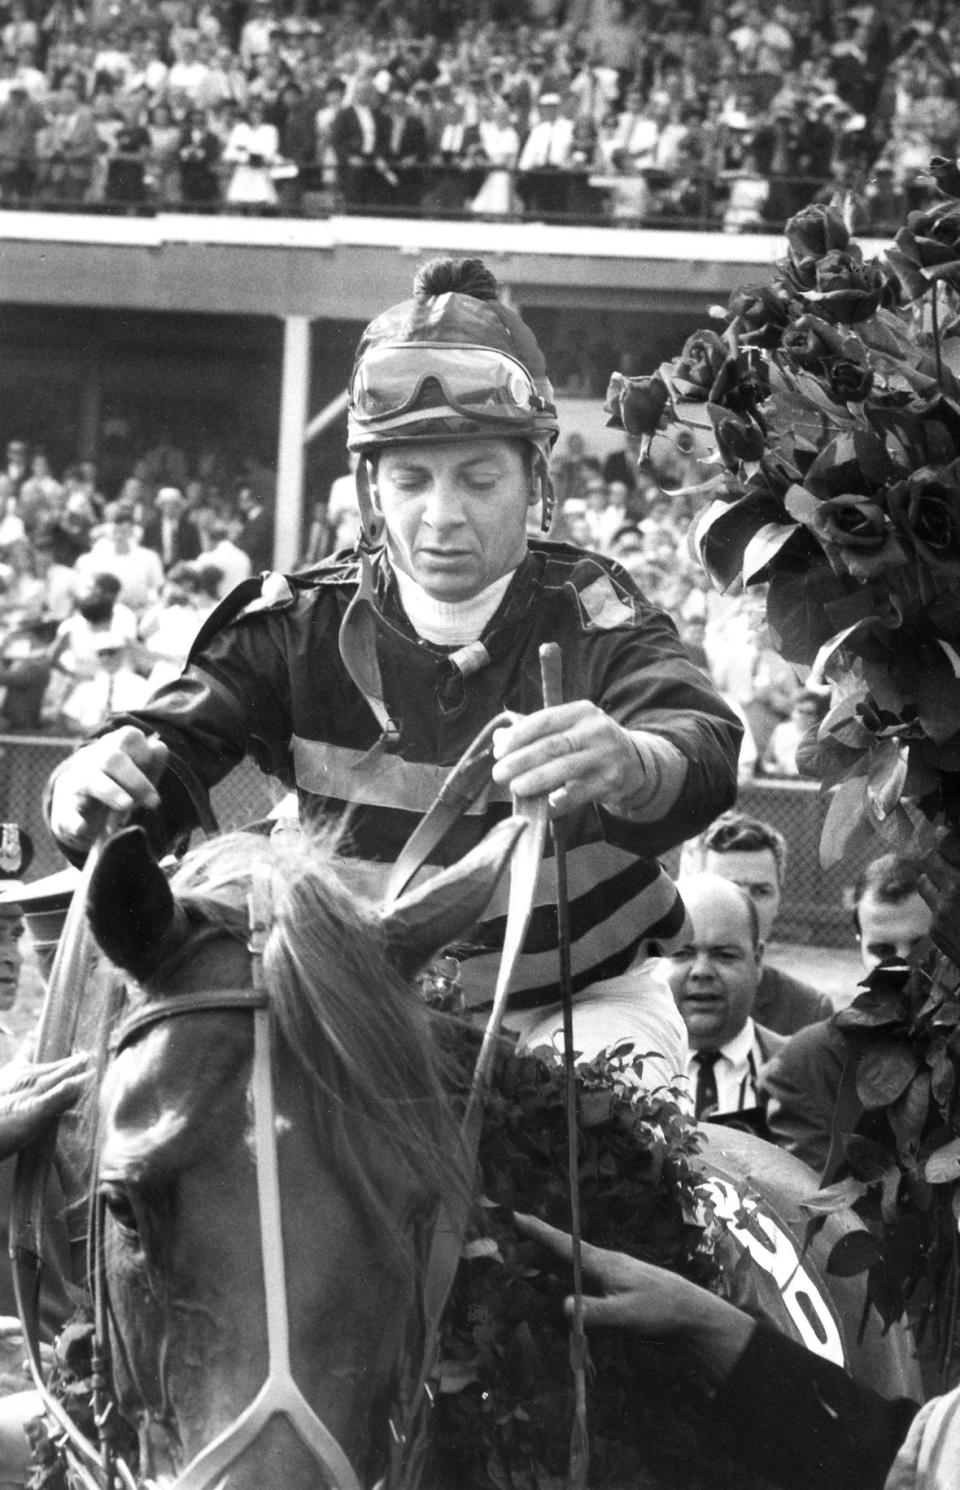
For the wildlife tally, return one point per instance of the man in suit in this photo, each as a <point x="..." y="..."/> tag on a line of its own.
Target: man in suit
<point x="810" y="1085"/>
<point x="170" y="533"/>
<point x="456" y="176"/>
<point x="714" y="975"/>
<point x="545" y="160"/>
<point x="358" y="138"/>
<point x="408" y="149"/>
<point x="255" y="538"/>
<point x="198" y="154"/>
<point x="753" y="854"/>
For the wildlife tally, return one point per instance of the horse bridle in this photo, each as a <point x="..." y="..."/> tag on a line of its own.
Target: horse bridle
<point x="279" y="1395"/>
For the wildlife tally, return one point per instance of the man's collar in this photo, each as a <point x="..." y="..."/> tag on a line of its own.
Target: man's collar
<point x="738" y="1049"/>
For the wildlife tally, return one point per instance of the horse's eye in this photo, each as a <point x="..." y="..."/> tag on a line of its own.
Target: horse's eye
<point x="121" y="1209"/>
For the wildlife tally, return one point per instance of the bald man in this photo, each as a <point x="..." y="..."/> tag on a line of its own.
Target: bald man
<point x="714" y="976"/>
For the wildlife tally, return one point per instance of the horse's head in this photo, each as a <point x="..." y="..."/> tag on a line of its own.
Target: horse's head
<point x="356" y="1120"/>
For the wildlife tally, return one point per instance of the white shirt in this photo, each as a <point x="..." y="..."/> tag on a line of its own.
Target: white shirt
<point x="79" y="654"/>
<point x="231" y="561"/>
<point x="88" y="704"/>
<point x="188" y="77"/>
<point x="139" y="571"/>
<point x="736" y="1071"/>
<point x="547" y="144"/>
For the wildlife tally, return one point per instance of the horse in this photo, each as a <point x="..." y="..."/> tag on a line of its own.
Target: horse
<point x="275" y="1138"/>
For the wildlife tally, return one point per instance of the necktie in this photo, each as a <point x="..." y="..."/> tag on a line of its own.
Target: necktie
<point x="706" y="1098"/>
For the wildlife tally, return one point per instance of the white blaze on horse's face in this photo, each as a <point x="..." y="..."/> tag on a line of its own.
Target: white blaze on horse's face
<point x="184" y="1251"/>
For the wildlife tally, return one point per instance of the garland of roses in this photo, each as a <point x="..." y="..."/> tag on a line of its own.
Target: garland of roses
<point x="832" y="399"/>
<point x="504" y="1389"/>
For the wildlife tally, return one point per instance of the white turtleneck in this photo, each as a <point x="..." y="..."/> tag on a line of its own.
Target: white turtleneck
<point x="449" y="623"/>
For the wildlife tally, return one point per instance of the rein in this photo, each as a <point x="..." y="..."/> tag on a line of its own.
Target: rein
<point x="95" y="1470"/>
<point x="280" y="1394"/>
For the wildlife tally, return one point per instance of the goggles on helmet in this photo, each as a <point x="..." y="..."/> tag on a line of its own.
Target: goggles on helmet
<point x="476" y="382"/>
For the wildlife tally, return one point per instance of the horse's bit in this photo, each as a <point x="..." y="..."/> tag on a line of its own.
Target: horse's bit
<point x="279" y="1395"/>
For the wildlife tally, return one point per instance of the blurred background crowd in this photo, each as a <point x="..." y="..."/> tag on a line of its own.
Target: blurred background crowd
<point x="711" y="113"/>
<point x="102" y="591"/>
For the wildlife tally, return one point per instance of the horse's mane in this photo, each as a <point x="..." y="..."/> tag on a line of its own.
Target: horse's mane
<point x="363" y="1038"/>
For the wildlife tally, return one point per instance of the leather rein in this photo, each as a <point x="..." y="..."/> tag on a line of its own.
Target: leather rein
<point x="100" y="1468"/>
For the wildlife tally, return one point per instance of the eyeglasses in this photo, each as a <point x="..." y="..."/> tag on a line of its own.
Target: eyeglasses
<point x="475" y="381"/>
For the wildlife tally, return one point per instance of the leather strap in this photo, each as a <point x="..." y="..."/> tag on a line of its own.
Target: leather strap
<point x="159" y="1011"/>
<point x="280" y="1395"/>
<point x="460" y="790"/>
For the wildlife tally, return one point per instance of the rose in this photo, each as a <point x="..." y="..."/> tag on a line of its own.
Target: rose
<point x="739" y="438"/>
<point x="759" y="316"/>
<point x="849" y="382"/>
<point x="926" y="509"/>
<point x="698" y="366"/>
<point x="815" y="231"/>
<point x="743" y="382"/>
<point x="811" y="343"/>
<point x="857" y="533"/>
<point x="847" y="289"/>
<point x="636" y="404"/>
<point x="927" y="248"/>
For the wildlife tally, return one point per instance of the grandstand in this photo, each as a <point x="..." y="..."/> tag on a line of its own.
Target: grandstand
<point x="202" y="200"/>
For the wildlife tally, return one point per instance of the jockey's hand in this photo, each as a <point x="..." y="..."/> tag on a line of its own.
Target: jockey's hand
<point x="576" y="754"/>
<point x="657" y="1304"/>
<point x="112" y="774"/>
<point x="31" y="1095"/>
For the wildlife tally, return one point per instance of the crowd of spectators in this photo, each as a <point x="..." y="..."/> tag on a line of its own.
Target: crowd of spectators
<point x="728" y="113"/>
<point x="100" y="599"/>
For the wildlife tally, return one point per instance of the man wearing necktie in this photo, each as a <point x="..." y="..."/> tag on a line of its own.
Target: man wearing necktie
<point x="170" y="533"/>
<point x="714" y="976"/>
<point x="545" y="160"/>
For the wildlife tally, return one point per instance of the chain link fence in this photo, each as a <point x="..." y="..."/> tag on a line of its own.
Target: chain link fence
<point x="816" y="904"/>
<point x="245" y="796"/>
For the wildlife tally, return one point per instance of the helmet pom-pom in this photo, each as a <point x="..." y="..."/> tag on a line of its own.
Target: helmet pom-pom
<point x="443" y="276"/>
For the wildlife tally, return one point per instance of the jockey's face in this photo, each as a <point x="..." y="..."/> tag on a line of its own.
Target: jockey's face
<point x="455" y="514"/>
<point x="715" y="974"/>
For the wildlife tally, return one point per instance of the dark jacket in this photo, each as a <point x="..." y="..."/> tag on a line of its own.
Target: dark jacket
<point x="801" y="1421"/>
<point x="267" y="678"/>
<point x="786" y="1005"/>
<point x="802" y="1085"/>
<point x="186" y="540"/>
<point x="346" y="134"/>
<point x="256" y="539"/>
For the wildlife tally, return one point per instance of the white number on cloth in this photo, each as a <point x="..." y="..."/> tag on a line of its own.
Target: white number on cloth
<point x="774" y="1252"/>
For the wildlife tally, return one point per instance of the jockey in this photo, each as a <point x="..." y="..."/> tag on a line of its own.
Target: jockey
<point x="361" y="681"/>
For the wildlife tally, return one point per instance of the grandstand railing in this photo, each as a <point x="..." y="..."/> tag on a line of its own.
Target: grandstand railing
<point x="816" y="904"/>
<point x="576" y="195"/>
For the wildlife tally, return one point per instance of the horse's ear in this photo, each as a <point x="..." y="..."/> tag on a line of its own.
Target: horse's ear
<point x="130" y="907"/>
<point x="445" y="907"/>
